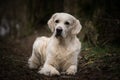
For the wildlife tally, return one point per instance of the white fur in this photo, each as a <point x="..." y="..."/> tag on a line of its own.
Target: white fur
<point x="58" y="53"/>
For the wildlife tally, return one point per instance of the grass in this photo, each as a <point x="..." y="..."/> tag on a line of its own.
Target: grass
<point x="102" y="59"/>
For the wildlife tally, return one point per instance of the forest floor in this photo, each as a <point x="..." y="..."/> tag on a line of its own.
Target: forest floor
<point x="96" y="63"/>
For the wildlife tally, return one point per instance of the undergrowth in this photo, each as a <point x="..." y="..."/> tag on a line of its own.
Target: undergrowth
<point x="104" y="59"/>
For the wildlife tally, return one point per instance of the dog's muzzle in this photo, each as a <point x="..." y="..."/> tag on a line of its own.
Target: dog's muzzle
<point x="58" y="31"/>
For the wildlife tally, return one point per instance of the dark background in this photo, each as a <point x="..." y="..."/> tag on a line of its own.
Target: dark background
<point x="100" y="19"/>
<point x="21" y="21"/>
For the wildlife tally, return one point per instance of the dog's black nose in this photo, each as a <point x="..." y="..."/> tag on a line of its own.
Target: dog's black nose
<point x="58" y="31"/>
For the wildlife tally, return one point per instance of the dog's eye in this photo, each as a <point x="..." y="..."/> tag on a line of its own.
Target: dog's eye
<point x="56" y="21"/>
<point x="67" y="23"/>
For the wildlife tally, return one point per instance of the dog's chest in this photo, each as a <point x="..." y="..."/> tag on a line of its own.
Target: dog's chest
<point x="62" y="52"/>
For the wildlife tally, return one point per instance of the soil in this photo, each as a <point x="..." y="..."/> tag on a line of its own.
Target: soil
<point x="14" y="55"/>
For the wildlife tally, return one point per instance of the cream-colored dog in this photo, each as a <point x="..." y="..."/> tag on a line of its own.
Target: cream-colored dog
<point x="60" y="51"/>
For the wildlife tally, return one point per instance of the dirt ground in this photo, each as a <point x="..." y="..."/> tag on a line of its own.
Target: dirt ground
<point x="14" y="55"/>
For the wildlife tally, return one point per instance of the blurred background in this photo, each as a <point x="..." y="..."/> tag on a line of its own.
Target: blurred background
<point x="21" y="21"/>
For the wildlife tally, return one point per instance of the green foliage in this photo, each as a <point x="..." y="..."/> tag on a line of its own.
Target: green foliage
<point x="94" y="52"/>
<point x="98" y="52"/>
<point x="103" y="59"/>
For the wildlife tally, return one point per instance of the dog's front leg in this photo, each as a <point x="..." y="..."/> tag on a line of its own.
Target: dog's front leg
<point x="49" y="70"/>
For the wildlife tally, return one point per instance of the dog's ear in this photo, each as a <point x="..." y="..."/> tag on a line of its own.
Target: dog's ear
<point x="51" y="22"/>
<point x="76" y="27"/>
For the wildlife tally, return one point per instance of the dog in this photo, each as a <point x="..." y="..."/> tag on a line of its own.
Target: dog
<point x="60" y="51"/>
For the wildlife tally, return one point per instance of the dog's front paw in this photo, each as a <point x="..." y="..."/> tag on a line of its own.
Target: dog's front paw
<point x="49" y="71"/>
<point x="71" y="70"/>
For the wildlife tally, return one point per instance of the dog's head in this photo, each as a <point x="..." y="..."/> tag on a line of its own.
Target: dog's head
<point x="63" y="24"/>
